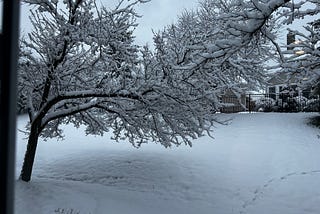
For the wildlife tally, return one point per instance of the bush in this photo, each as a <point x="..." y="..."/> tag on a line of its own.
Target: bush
<point x="265" y="104"/>
<point x="312" y="105"/>
<point x="315" y="121"/>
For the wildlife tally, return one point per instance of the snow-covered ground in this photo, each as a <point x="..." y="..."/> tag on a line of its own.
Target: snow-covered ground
<point x="260" y="163"/>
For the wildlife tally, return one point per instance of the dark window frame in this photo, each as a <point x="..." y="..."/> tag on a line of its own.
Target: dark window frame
<point x="9" y="37"/>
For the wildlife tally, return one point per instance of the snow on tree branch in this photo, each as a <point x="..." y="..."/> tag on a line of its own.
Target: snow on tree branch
<point x="302" y="56"/>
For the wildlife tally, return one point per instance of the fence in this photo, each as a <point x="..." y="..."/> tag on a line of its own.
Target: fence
<point x="281" y="102"/>
<point x="233" y="104"/>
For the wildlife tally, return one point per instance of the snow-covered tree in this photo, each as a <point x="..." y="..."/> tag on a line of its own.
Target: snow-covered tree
<point x="79" y="65"/>
<point x="222" y="44"/>
<point x="303" y="60"/>
<point x="77" y="62"/>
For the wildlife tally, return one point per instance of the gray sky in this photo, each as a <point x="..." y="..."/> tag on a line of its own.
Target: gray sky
<point x="155" y="15"/>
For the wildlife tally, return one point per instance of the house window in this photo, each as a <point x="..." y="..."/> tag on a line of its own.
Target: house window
<point x="272" y="92"/>
<point x="280" y="88"/>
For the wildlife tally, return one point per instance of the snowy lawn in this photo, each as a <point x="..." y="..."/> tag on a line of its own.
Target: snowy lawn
<point x="260" y="163"/>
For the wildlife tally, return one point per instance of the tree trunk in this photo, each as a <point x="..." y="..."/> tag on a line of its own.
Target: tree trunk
<point x="30" y="153"/>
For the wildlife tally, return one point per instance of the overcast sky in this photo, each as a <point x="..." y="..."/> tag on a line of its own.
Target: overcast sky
<point x="156" y="14"/>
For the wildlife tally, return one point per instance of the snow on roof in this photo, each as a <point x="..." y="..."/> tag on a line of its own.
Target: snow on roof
<point x="283" y="78"/>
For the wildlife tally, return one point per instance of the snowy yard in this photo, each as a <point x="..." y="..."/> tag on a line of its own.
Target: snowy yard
<point x="260" y="163"/>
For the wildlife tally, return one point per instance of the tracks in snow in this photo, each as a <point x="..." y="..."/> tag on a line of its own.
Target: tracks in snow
<point x="260" y="191"/>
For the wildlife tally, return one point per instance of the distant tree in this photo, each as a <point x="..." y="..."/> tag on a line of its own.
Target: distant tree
<point x="79" y="65"/>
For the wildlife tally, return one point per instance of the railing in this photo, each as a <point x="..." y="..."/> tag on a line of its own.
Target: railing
<point x="272" y="102"/>
<point x="282" y="102"/>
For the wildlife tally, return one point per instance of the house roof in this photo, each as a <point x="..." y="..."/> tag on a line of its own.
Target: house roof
<point x="281" y="77"/>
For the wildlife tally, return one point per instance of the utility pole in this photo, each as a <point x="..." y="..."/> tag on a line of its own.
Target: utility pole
<point x="8" y="77"/>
